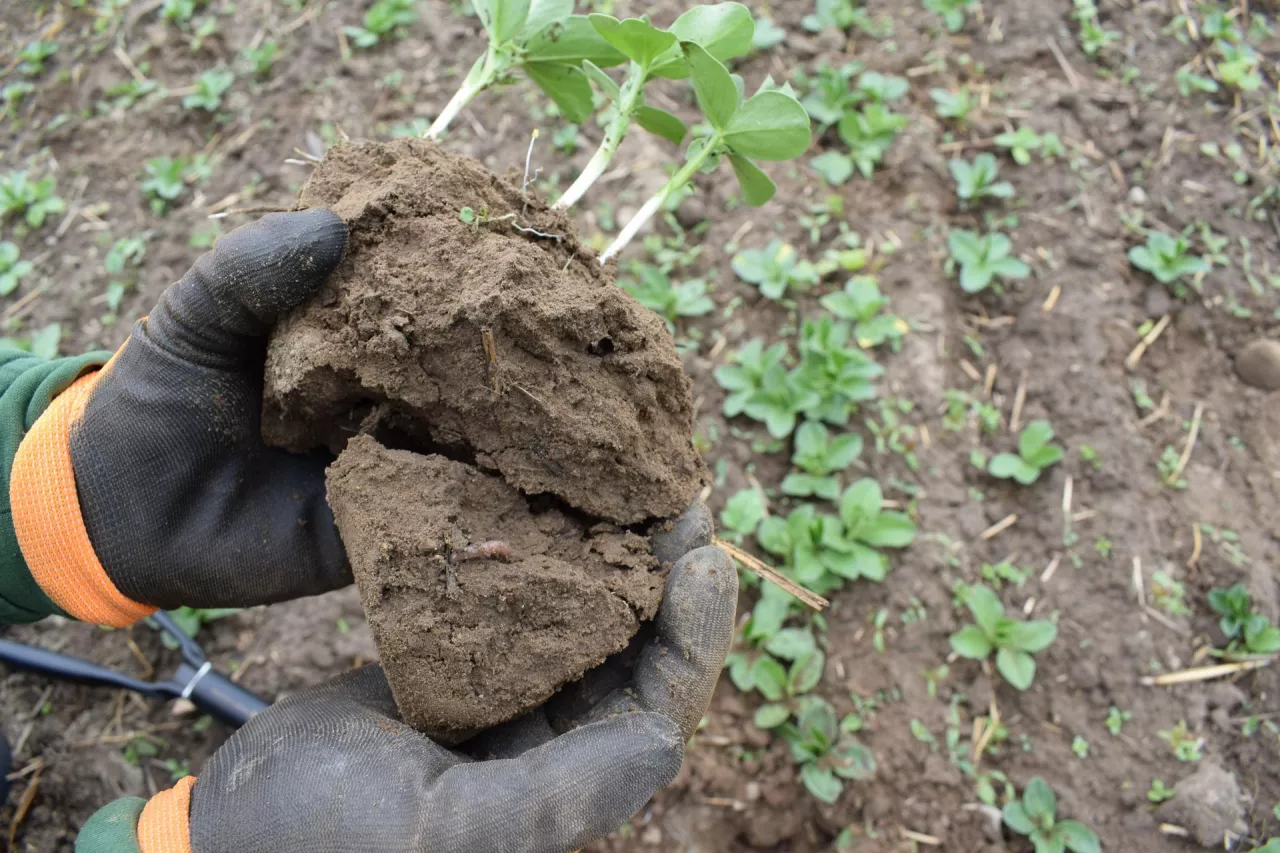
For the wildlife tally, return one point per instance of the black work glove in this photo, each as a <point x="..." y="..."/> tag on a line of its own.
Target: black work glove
<point x="182" y="502"/>
<point x="332" y="769"/>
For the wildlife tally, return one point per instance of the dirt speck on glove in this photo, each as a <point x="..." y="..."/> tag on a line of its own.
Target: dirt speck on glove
<point x="527" y="400"/>
<point x="469" y="635"/>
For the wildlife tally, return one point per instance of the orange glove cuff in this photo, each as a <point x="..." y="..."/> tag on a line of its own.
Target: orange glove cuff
<point x="48" y="522"/>
<point x="165" y="823"/>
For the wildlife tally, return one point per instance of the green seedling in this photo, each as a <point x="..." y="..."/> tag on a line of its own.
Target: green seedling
<point x="164" y="179"/>
<point x="1159" y="792"/>
<point x="191" y="619"/>
<point x="1116" y="720"/>
<point x="724" y="31"/>
<point x="829" y="91"/>
<point x="783" y="687"/>
<point x="382" y="18"/>
<point x="178" y="10"/>
<point x="869" y="132"/>
<point x="1168" y="594"/>
<point x="807" y="541"/>
<point x="745" y="376"/>
<point x="982" y="259"/>
<point x="1093" y="38"/>
<point x="1186" y="746"/>
<point x="826" y="752"/>
<point x="1168" y="259"/>
<point x="1249" y="632"/>
<point x="866" y="528"/>
<point x="775" y="269"/>
<point x="770" y="125"/>
<point x="1036" y="452"/>
<point x="977" y="180"/>
<point x="835" y="167"/>
<point x="861" y="303"/>
<point x="12" y="94"/>
<point x="34" y="201"/>
<point x="1036" y="817"/>
<point x="840" y="376"/>
<point x="779" y="400"/>
<point x="768" y="35"/>
<point x="1013" y="641"/>
<point x="951" y="11"/>
<point x="655" y="290"/>
<point x="954" y="105"/>
<point x="1238" y="66"/>
<point x="12" y="268"/>
<point x="742" y="514"/>
<point x="1188" y="81"/>
<point x="123" y="258"/>
<point x="261" y="57"/>
<point x="830" y="14"/>
<point x="1170" y="468"/>
<point x="43" y="343"/>
<point x="31" y="58"/>
<point x="1080" y="747"/>
<point x="998" y="574"/>
<point x="820" y="457"/>
<point x="209" y="89"/>
<point x="1020" y="143"/>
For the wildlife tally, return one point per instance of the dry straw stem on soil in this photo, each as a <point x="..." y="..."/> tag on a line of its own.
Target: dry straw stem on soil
<point x="783" y="582"/>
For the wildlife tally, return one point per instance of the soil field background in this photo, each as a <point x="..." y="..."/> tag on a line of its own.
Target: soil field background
<point x="1168" y="487"/>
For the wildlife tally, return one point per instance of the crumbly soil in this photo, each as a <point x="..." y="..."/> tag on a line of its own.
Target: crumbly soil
<point x="1135" y="145"/>
<point x="510" y="350"/>
<point x="482" y="606"/>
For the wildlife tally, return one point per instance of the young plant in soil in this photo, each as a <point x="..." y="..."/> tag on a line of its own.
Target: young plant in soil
<point x="836" y="375"/>
<point x="977" y="180"/>
<point x="1036" y="817"/>
<point x="1036" y="452"/>
<point x="653" y="288"/>
<point x="12" y="268"/>
<point x="861" y="303"/>
<point x="34" y="201"/>
<point x="1169" y="260"/>
<point x="1248" y="632"/>
<point x="763" y="641"/>
<point x="745" y="376"/>
<point x="742" y="514"/>
<point x="826" y="750"/>
<point x="983" y="259"/>
<point x="775" y="269"/>
<point x="820" y="457"/>
<point x="1013" y="640"/>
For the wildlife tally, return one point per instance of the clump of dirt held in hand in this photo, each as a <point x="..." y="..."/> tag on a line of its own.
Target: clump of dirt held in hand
<point x="526" y="400"/>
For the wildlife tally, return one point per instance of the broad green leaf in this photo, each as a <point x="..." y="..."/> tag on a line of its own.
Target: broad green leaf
<point x="1078" y="837"/>
<point x="661" y="123"/>
<point x="769" y="126"/>
<point x="860" y="503"/>
<point x="1036" y="435"/>
<point x="566" y="85"/>
<point x="1032" y="636"/>
<point x="1011" y="268"/>
<point x="1018" y="668"/>
<point x="44" y="343"/>
<point x="604" y="81"/>
<point x="805" y="673"/>
<point x="965" y="246"/>
<point x="771" y="716"/>
<point x="1045" y="457"/>
<point x="638" y="40"/>
<point x="970" y="642"/>
<point x="716" y="92"/>
<point x="986" y="608"/>
<point x="811" y="485"/>
<point x="853" y="760"/>
<point x="844" y="449"/>
<point x="774" y="536"/>
<point x="1016" y="818"/>
<point x="1006" y="466"/>
<point x="858" y="562"/>
<point x="835" y="167"/>
<point x="1039" y="800"/>
<point x="757" y="187"/>
<point x="888" y="530"/>
<point x="502" y="18"/>
<point x="743" y="511"/>
<point x="544" y="13"/>
<point x="770" y="612"/>
<point x="770" y="679"/>
<point x="570" y="42"/>
<point x="740" y="672"/>
<point x="822" y="783"/>
<point x="719" y="29"/>
<point x="791" y="643"/>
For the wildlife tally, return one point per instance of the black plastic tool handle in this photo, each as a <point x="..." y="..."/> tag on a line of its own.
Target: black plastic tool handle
<point x="67" y="668"/>
<point x="214" y="693"/>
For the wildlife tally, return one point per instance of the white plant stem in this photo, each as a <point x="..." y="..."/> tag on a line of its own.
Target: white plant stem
<point x="485" y="78"/>
<point x="614" y="134"/>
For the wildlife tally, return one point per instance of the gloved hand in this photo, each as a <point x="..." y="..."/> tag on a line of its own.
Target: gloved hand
<point x="332" y="769"/>
<point x="146" y="485"/>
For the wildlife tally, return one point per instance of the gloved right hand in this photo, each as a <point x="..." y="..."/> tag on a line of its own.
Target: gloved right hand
<point x="332" y="769"/>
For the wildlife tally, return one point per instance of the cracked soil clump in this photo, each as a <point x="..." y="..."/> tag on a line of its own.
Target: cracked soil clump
<point x="527" y="400"/>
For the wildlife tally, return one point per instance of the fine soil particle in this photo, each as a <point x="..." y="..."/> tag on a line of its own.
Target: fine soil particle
<point x="481" y="605"/>
<point x="482" y="341"/>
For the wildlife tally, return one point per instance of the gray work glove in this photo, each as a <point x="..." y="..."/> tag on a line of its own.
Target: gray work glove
<point x="331" y="769"/>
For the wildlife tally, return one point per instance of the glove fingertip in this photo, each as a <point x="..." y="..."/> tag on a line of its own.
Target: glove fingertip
<point x="673" y="538"/>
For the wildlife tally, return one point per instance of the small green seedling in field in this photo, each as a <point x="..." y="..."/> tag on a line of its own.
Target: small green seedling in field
<point x="782" y="687"/>
<point x="655" y="290"/>
<point x="1080" y="747"/>
<point x="1249" y="632"/>
<point x="32" y="57"/>
<point x="1159" y="792"/>
<point x="1036" y="817"/>
<point x="861" y="303"/>
<point x="998" y="574"/>
<point x="745" y="376"/>
<point x="839" y="374"/>
<point x="1020" y="143"/>
<point x="954" y="105"/>
<point x="775" y="269"/>
<point x="178" y="10"/>
<point x="124" y="256"/>
<point x="1036" y="452"/>
<point x="833" y="14"/>
<point x="869" y="132"/>
<point x="1168" y="259"/>
<point x="12" y="268"/>
<point x="1013" y="641"/>
<point x="43" y="343"/>
<point x="1169" y="466"/>
<point x="977" y="180"/>
<point x="779" y="401"/>
<point x="190" y="620"/>
<point x="768" y="35"/>
<point x="820" y="457"/>
<point x="1168" y="594"/>
<point x="164" y="179"/>
<point x="867" y="527"/>
<point x="209" y="89"/>
<point x="261" y="57"/>
<point x="1093" y="38"/>
<point x="742" y="514"/>
<point x="382" y="18"/>
<point x="1186" y="747"/>
<point x="1116" y="720"/>
<point x="34" y="201"/>
<point x="951" y="12"/>
<point x="983" y="258"/>
<point x="826" y="752"/>
<point x="1238" y="66"/>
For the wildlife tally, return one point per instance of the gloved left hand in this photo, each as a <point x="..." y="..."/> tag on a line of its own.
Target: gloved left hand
<point x="147" y="485"/>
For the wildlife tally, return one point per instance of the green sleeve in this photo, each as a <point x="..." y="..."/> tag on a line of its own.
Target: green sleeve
<point x="27" y="386"/>
<point x="113" y="828"/>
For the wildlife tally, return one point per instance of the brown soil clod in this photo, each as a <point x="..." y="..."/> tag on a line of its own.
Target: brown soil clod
<point x="532" y="406"/>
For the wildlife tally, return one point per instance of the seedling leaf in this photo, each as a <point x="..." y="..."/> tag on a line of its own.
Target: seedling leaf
<point x="1032" y="636"/>
<point x="637" y="39"/>
<point x="806" y="672"/>
<point x="1039" y="800"/>
<point x="986" y="609"/>
<point x="544" y="13"/>
<point x="757" y="187"/>
<point x="1017" y="819"/>
<point x="604" y="81"/>
<point x="502" y="18"/>
<point x="821" y="782"/>
<point x="661" y="123"/>
<point x="970" y="642"/>
<point x="1018" y="668"/>
<point x="769" y="126"/>
<point x="1078" y="837"/>
<point x="771" y="716"/>
<point x="716" y="92"/>
<point x="566" y="85"/>
<point x="572" y="41"/>
<point x="770" y="679"/>
<point x="724" y="30"/>
<point x="790" y="644"/>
